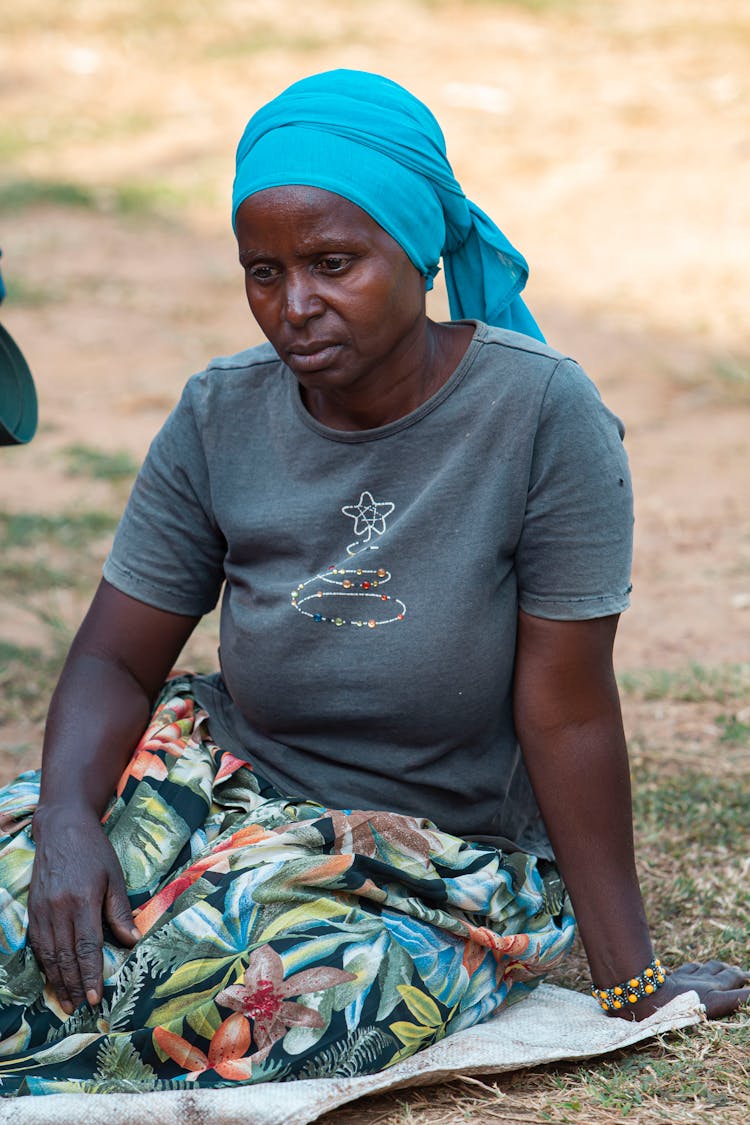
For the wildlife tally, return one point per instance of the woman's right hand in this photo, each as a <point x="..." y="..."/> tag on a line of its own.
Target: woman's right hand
<point x="76" y="880"/>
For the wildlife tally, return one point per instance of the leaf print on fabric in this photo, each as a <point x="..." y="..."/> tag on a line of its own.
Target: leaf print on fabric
<point x="21" y="982"/>
<point x="383" y="835"/>
<point x="366" y="1050"/>
<point x="218" y="859"/>
<point x="18" y="802"/>
<point x="430" y="1025"/>
<point x="119" y="1067"/>
<point x="147" y="837"/>
<point x="264" y="996"/>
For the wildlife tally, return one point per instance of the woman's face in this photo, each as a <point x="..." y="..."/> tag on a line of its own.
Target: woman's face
<point x="335" y="295"/>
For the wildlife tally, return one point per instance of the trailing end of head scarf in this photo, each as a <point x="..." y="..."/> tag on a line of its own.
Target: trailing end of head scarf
<point x="363" y="137"/>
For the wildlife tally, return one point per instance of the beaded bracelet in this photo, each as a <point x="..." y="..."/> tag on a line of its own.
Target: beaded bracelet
<point x="630" y="991"/>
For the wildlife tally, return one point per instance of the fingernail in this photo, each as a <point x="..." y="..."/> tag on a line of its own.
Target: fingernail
<point x="67" y="1007"/>
<point x="135" y="933"/>
<point x="92" y="996"/>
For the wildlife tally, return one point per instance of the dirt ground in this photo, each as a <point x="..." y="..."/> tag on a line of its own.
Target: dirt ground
<point x="610" y="139"/>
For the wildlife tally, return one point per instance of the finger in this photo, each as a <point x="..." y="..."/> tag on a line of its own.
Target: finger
<point x="42" y="942"/>
<point x="721" y="967"/>
<point x="720" y="1004"/>
<point x="66" y="959"/>
<point x="118" y="911"/>
<point x="88" y="947"/>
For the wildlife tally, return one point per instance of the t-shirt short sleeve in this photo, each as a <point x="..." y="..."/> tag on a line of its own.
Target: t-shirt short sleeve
<point x="168" y="551"/>
<point x="574" y="556"/>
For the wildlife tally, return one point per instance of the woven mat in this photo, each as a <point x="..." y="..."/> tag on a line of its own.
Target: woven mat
<point x="550" y="1025"/>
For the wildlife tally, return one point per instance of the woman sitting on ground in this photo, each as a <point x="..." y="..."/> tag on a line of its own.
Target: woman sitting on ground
<point x="365" y="832"/>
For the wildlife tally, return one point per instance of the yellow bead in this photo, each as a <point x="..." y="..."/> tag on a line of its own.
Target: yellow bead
<point x="634" y="982"/>
<point x="618" y="991"/>
<point x="657" y="962"/>
<point x="649" y="988"/>
<point x="632" y="998"/>
<point x="605" y="1007"/>
<point x="649" y="973"/>
<point x="660" y="979"/>
<point x="618" y="1003"/>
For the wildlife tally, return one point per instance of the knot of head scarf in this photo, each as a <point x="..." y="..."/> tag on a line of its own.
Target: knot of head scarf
<point x="369" y="140"/>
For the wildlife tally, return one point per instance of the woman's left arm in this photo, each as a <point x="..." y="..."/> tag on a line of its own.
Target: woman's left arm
<point x="567" y="716"/>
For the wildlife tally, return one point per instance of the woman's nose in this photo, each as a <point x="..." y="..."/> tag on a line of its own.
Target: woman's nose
<point x="302" y="302"/>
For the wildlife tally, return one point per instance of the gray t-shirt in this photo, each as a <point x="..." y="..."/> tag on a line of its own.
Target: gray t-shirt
<point x="372" y="579"/>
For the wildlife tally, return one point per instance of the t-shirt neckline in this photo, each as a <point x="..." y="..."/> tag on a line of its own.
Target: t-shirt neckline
<point x="410" y="419"/>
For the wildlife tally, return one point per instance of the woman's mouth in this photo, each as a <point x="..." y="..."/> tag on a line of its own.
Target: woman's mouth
<point x="314" y="358"/>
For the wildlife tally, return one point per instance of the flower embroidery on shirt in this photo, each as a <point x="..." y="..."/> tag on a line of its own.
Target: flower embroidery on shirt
<point x="368" y="515"/>
<point x="350" y="592"/>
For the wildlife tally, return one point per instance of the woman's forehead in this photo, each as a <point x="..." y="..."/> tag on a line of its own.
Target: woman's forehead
<point x="297" y="208"/>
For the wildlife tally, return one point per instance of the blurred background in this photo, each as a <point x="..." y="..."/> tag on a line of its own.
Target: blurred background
<point x="610" y="140"/>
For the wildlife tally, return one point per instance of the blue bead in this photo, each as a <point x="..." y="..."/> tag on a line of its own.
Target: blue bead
<point x="317" y="617"/>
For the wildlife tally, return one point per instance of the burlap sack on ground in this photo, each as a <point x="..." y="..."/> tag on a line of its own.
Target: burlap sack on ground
<point x="552" y="1024"/>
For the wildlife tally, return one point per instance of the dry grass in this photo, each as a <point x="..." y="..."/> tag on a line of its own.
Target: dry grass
<point x="98" y="149"/>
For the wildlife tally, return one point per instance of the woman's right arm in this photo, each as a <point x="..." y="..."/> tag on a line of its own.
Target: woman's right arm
<point x="117" y="664"/>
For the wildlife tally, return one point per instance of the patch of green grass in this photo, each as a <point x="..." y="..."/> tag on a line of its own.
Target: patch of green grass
<point x="20" y="576"/>
<point x="734" y="375"/>
<point x="147" y="197"/>
<point x="125" y="198"/>
<point x="70" y="529"/>
<point x="27" y="677"/>
<point x="734" y="730"/>
<point x="13" y="141"/>
<point x="16" y="195"/>
<point x="86" y="461"/>
<point x="694" y="684"/>
<point x="26" y="293"/>
<point x="694" y="809"/>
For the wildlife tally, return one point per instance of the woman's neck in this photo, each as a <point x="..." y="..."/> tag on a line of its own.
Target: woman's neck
<point x="418" y="374"/>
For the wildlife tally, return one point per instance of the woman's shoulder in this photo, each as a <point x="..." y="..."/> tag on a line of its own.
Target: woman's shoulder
<point x="527" y="367"/>
<point x="234" y="381"/>
<point x="242" y="367"/>
<point x="503" y="345"/>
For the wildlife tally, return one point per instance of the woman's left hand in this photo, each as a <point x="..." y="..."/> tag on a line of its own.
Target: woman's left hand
<point x="721" y="988"/>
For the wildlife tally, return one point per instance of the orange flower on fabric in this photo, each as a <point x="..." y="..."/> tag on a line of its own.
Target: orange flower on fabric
<point x="226" y="1052"/>
<point x="263" y="998"/>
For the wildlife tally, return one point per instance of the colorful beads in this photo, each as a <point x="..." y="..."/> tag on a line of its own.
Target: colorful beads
<point x="347" y="582"/>
<point x="632" y="990"/>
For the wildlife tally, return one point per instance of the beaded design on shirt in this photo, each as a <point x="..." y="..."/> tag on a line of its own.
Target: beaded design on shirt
<point x="321" y="598"/>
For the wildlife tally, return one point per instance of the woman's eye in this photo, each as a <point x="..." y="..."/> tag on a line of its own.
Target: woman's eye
<point x="333" y="263"/>
<point x="262" y="273"/>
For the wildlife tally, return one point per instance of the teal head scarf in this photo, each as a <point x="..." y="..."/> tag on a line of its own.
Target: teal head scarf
<point x="369" y="140"/>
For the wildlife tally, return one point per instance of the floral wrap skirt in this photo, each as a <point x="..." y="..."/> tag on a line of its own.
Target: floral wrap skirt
<point x="281" y="939"/>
